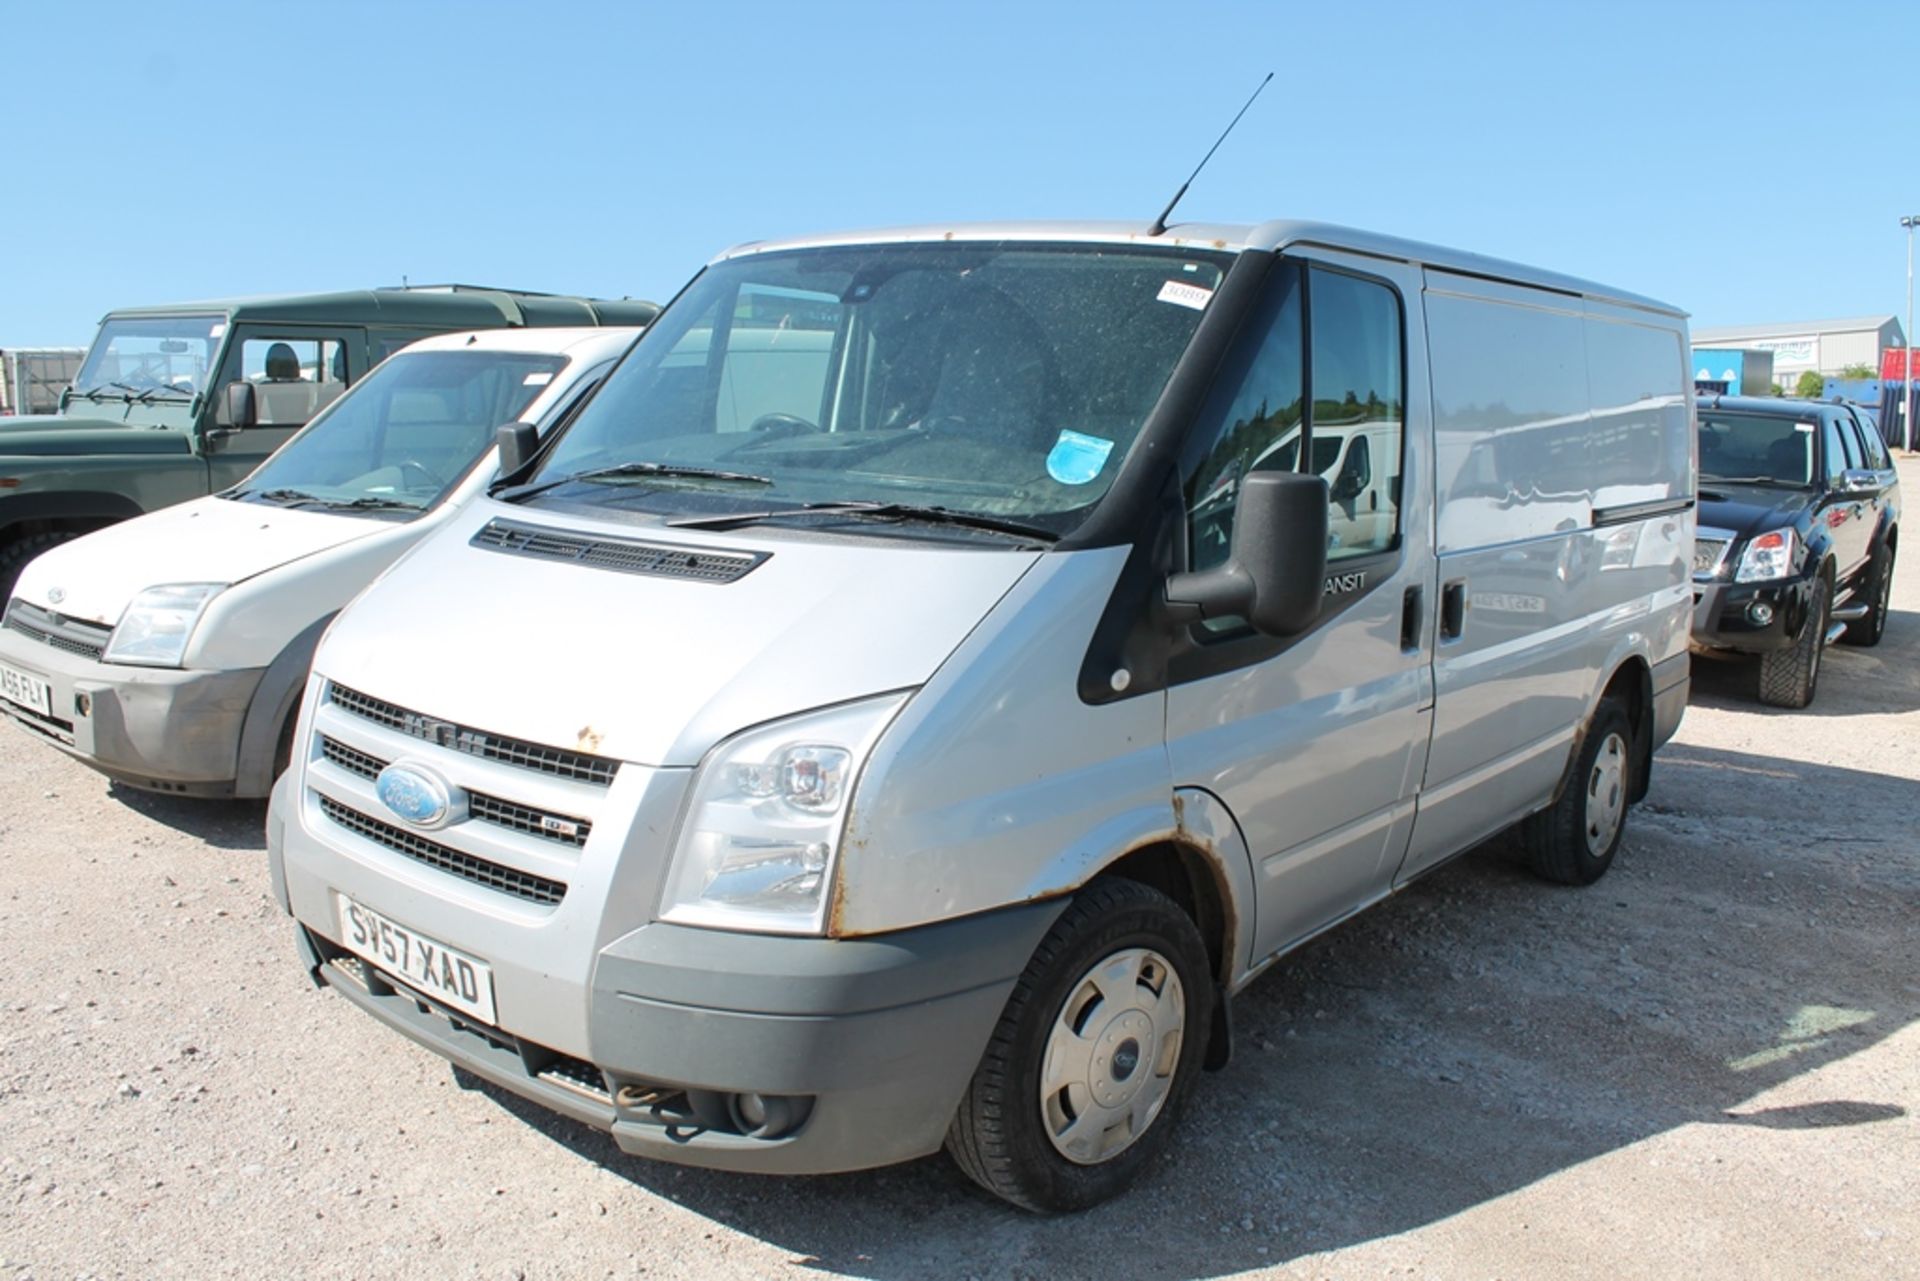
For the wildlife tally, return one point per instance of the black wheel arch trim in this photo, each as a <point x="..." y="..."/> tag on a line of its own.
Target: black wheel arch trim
<point x="274" y="699"/>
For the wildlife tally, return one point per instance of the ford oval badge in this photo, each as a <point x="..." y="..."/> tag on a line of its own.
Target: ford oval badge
<point x="415" y="794"/>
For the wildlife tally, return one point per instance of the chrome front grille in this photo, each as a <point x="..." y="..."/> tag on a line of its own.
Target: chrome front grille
<point x="626" y="555"/>
<point x="581" y="766"/>
<point x="495" y="876"/>
<point x="69" y="635"/>
<point x="568" y="829"/>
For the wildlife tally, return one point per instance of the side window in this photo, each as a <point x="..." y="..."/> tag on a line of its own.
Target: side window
<point x="1357" y="402"/>
<point x="1876" y="448"/>
<point x="1836" y="460"/>
<point x="1252" y="421"/>
<point x="1859" y="455"/>
<point x="294" y="378"/>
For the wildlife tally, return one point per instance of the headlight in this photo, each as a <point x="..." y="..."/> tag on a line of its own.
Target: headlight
<point x="156" y="627"/>
<point x="757" y="849"/>
<point x="1768" y="556"/>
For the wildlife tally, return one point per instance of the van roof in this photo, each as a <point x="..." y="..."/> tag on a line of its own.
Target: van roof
<point x="1231" y="238"/>
<point x="571" y="341"/>
<point x="435" y="306"/>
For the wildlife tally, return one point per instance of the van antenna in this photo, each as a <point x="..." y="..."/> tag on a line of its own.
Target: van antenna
<point x="1160" y="223"/>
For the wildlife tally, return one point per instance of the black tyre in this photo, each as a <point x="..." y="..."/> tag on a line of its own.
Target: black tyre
<point x="1093" y="1056"/>
<point x="1789" y="677"/>
<point x="1867" y="631"/>
<point x="15" y="555"/>
<point x="1572" y="841"/>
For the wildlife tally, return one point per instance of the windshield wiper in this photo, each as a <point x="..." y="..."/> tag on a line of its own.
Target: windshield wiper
<point x="1754" y="480"/>
<point x="288" y="497"/>
<point x="671" y="471"/>
<point x="898" y="512"/>
<point x="151" y="392"/>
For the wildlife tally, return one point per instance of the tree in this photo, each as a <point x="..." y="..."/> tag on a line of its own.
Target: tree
<point x="1810" y="386"/>
<point x="1858" y="370"/>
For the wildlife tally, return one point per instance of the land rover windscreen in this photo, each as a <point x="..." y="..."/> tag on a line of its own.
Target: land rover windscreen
<point x="964" y="388"/>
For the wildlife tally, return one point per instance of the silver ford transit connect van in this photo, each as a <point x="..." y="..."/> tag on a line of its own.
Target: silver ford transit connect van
<point x="939" y="668"/>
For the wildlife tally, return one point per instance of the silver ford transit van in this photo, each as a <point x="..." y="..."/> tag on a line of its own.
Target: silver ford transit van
<point x="937" y="669"/>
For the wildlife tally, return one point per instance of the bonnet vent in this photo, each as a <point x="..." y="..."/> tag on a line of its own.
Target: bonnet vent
<point x="628" y="556"/>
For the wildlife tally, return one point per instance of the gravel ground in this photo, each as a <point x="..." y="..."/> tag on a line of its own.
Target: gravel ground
<point x="1707" y="1064"/>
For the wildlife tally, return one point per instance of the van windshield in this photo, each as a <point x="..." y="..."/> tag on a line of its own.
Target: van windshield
<point x="1001" y="379"/>
<point x="404" y="435"/>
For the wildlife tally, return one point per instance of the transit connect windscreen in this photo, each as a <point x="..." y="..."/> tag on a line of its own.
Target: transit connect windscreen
<point x="1003" y="379"/>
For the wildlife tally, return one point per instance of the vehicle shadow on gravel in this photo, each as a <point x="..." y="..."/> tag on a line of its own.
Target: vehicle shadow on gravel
<point x="1853" y="681"/>
<point x="226" y="825"/>
<point x="1478" y="1033"/>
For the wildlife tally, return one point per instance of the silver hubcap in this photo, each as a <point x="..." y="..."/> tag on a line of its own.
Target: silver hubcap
<point x="1111" y="1055"/>
<point x="1606" y="794"/>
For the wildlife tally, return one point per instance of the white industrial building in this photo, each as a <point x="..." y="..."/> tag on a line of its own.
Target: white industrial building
<point x="1824" y="346"/>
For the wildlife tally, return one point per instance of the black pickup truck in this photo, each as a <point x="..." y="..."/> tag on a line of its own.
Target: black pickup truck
<point x="1799" y="521"/>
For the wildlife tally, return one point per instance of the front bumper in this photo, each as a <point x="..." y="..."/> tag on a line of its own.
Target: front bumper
<point x="159" y="729"/>
<point x="648" y="1032"/>
<point x="877" y="1037"/>
<point x="1724" y="614"/>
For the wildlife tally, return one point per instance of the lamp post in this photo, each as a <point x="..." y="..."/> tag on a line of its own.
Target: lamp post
<point x="1906" y="417"/>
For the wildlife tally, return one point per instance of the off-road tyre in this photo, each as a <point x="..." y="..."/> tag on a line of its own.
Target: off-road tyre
<point x="999" y="1135"/>
<point x="1573" y="840"/>
<point x="1866" y="632"/>
<point x="14" y="556"/>
<point x="1789" y="677"/>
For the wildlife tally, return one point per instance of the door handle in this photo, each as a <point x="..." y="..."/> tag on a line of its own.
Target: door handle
<point x="1453" y="609"/>
<point x="1410" y="620"/>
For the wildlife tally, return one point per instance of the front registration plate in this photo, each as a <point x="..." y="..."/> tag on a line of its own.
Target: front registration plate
<point x="446" y="974"/>
<point x="29" y="692"/>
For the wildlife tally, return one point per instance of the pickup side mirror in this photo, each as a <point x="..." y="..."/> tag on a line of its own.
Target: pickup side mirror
<point x="1275" y="575"/>
<point x="239" y="410"/>
<point x="1859" y="482"/>
<point x="517" y="443"/>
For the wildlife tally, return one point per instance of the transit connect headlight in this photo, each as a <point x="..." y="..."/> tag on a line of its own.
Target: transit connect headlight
<point x="763" y="826"/>
<point x="157" y="625"/>
<point x="1768" y="556"/>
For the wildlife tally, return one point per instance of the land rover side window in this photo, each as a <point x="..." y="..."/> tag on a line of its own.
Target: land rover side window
<point x="1357" y="402"/>
<point x="294" y="378"/>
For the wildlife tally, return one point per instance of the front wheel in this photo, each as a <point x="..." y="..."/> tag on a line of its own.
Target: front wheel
<point x="1093" y="1056"/>
<point x="1573" y="841"/>
<point x="1789" y="677"/>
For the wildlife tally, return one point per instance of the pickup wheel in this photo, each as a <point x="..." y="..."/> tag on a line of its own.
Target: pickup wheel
<point x="14" y="556"/>
<point x="1788" y="677"/>
<point x="1573" y="840"/>
<point x="1879" y="588"/>
<point x="1095" y="1052"/>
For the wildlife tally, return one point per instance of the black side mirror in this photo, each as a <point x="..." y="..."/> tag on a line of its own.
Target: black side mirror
<point x="239" y="410"/>
<point x="517" y="443"/>
<point x="1276" y="573"/>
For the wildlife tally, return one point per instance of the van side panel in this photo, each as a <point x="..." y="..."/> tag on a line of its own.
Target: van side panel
<point x="1562" y="435"/>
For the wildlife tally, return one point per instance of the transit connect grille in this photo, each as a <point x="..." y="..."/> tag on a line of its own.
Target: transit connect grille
<point x="580" y="766"/>
<point x="1707" y="554"/>
<point x="70" y="635"/>
<point x="659" y="560"/>
<point x="565" y="828"/>
<point x="507" y="880"/>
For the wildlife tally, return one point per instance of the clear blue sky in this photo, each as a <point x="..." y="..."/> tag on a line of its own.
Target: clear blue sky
<point x="157" y="153"/>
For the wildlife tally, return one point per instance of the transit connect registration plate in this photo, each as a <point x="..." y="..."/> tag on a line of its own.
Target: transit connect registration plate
<point x="446" y="974"/>
<point x="29" y="692"/>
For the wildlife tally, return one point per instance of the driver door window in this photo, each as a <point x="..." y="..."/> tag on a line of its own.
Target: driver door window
<point x="293" y="378"/>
